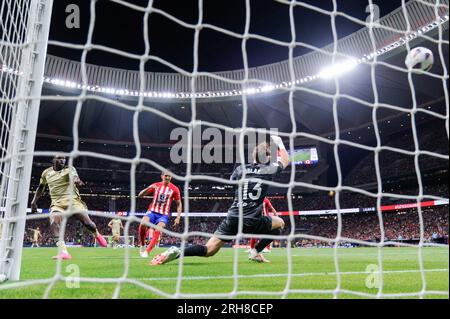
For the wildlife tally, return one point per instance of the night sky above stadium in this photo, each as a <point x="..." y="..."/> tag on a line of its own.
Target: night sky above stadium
<point x="119" y="27"/>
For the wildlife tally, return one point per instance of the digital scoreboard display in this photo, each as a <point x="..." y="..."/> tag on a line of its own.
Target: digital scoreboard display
<point x="304" y="156"/>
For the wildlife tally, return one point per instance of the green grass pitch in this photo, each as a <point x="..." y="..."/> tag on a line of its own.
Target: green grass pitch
<point x="313" y="270"/>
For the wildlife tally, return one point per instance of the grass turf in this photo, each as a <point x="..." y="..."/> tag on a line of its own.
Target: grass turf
<point x="313" y="270"/>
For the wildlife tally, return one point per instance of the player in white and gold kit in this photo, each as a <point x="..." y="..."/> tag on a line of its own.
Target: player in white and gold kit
<point x="115" y="225"/>
<point x="65" y="198"/>
<point x="36" y="235"/>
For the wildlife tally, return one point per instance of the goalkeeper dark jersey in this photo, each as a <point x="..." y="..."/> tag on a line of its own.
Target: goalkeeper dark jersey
<point x="253" y="191"/>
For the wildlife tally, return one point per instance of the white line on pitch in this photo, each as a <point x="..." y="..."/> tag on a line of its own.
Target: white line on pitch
<point x="365" y="254"/>
<point x="285" y="275"/>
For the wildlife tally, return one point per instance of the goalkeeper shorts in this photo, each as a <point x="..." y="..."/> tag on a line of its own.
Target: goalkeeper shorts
<point x="229" y="227"/>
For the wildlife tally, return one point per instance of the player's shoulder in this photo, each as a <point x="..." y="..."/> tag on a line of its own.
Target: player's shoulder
<point x="70" y="167"/>
<point x="174" y="187"/>
<point x="239" y="168"/>
<point x="156" y="184"/>
<point x="271" y="167"/>
<point x="47" y="170"/>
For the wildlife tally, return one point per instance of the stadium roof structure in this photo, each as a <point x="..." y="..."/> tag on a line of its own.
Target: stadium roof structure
<point x="112" y="93"/>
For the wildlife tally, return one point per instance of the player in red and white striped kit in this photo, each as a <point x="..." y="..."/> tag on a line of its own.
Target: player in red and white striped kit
<point x="267" y="210"/>
<point x="159" y="210"/>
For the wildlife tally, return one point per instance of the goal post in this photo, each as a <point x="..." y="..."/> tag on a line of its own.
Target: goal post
<point x="25" y="28"/>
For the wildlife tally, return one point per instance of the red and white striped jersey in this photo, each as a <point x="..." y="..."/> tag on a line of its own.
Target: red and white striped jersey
<point x="162" y="198"/>
<point x="267" y="207"/>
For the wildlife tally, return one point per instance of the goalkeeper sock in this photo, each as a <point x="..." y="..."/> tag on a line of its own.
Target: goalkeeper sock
<point x="252" y="243"/>
<point x="153" y="241"/>
<point x="142" y="234"/>
<point x="265" y="241"/>
<point x="196" y="250"/>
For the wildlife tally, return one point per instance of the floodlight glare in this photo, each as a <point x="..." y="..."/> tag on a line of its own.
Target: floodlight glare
<point x="337" y="69"/>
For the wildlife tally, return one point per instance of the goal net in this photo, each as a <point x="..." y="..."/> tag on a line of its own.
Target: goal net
<point x="121" y="242"/>
<point x="322" y="75"/>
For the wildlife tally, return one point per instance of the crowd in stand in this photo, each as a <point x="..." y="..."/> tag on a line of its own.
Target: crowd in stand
<point x="400" y="225"/>
<point x="108" y="189"/>
<point x="396" y="163"/>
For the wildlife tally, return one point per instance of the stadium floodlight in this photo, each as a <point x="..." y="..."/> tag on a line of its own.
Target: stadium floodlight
<point x="267" y="88"/>
<point x="338" y="69"/>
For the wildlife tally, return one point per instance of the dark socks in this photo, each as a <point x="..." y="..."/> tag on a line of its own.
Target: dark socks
<point x="196" y="250"/>
<point x="266" y="241"/>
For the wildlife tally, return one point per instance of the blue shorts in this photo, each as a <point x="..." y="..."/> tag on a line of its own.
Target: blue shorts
<point x="156" y="218"/>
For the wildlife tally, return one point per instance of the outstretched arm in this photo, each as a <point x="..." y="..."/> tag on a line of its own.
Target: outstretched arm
<point x="146" y="191"/>
<point x="179" y="210"/>
<point x="78" y="182"/>
<point x="37" y="195"/>
<point x="283" y="154"/>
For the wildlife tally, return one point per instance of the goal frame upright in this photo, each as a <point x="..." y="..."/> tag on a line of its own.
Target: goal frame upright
<point x="21" y="142"/>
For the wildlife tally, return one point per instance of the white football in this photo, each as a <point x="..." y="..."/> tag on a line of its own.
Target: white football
<point x="419" y="58"/>
<point x="2" y="277"/>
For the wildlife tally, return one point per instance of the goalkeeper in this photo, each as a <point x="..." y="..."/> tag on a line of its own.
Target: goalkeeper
<point x="253" y="194"/>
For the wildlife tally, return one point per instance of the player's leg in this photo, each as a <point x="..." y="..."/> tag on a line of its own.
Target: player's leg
<point x="149" y="218"/>
<point x="90" y="225"/>
<point x="161" y="223"/>
<point x="277" y="225"/>
<point x="272" y="225"/>
<point x="212" y="246"/>
<point x="80" y="212"/>
<point x="227" y="227"/>
<point x="143" y="230"/>
<point x="87" y="222"/>
<point x="55" y="226"/>
<point x="210" y="249"/>
<point x="115" y="240"/>
<point x="251" y="245"/>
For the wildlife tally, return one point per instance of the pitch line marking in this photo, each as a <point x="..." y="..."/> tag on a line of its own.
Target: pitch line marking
<point x="285" y="275"/>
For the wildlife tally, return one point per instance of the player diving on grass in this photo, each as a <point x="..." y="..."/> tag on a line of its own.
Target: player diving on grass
<point x="116" y="225"/>
<point x="64" y="198"/>
<point x="159" y="210"/>
<point x="252" y="195"/>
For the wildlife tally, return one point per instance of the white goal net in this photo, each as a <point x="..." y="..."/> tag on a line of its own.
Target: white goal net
<point x="121" y="241"/>
<point x="24" y="29"/>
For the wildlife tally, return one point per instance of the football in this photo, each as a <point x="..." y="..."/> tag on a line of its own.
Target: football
<point x="419" y="58"/>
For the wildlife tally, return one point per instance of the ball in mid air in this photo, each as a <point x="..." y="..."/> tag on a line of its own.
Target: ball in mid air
<point x="419" y="59"/>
